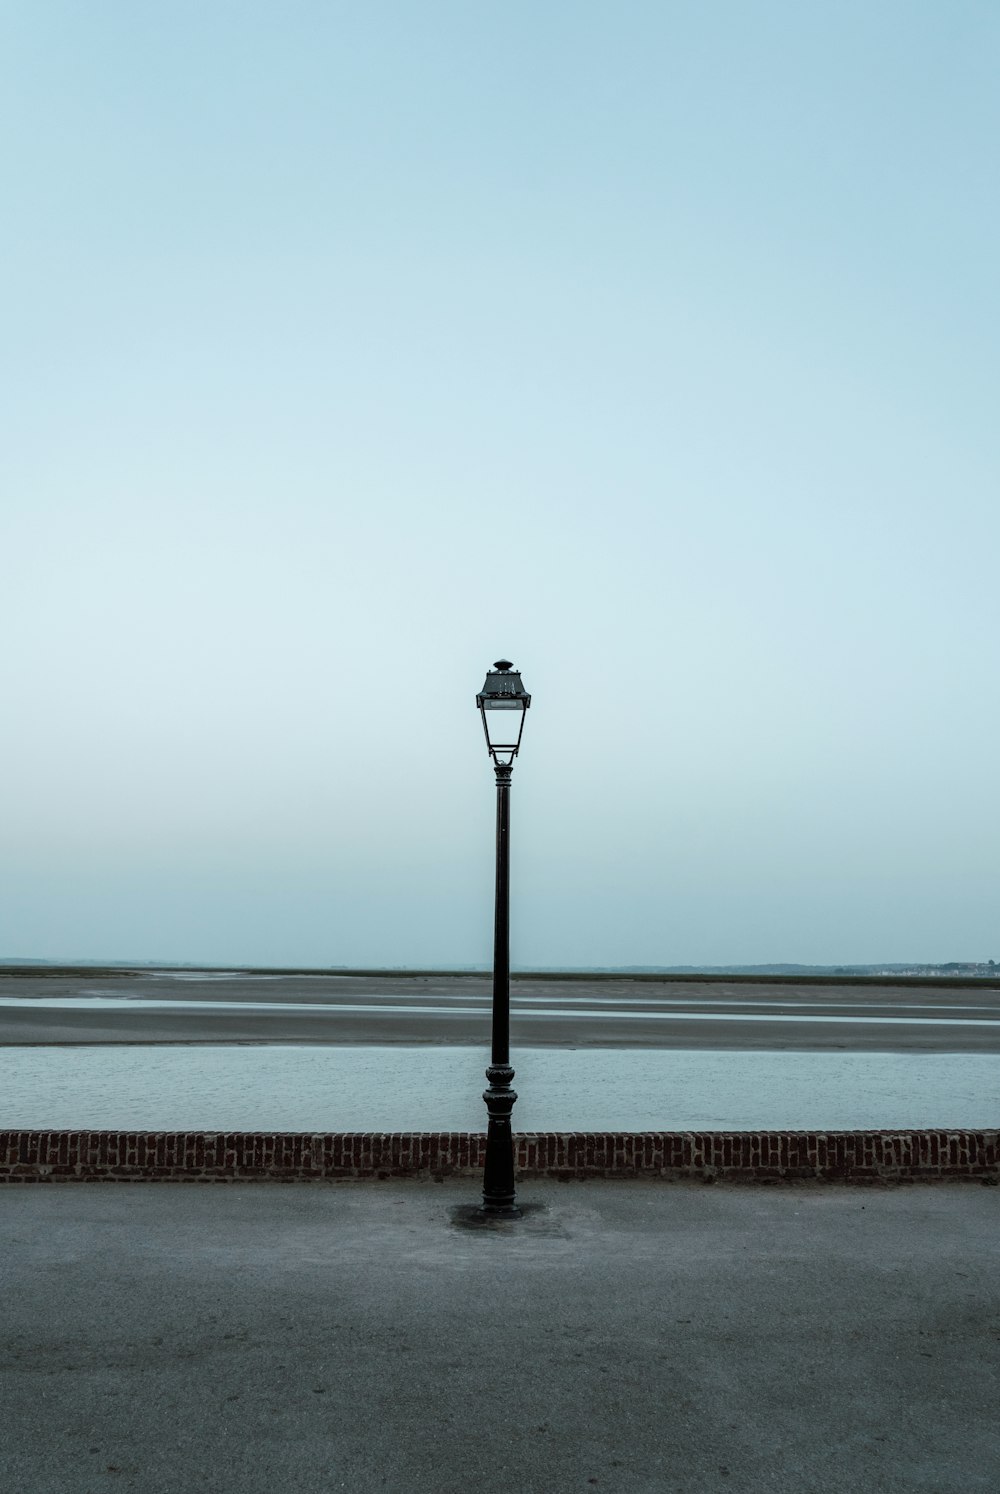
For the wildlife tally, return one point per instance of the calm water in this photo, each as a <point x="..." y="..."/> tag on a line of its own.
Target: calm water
<point x="292" y="1087"/>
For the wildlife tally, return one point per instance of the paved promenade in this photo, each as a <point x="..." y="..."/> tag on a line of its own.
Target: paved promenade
<point x="291" y="1339"/>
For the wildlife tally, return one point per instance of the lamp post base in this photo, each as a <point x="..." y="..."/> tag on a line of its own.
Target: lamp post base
<point x="498" y="1173"/>
<point x="474" y="1216"/>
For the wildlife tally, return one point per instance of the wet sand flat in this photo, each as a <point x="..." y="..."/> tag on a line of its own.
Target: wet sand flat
<point x="148" y="1006"/>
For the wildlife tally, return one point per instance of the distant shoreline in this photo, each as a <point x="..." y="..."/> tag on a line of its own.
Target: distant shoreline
<point x="811" y="976"/>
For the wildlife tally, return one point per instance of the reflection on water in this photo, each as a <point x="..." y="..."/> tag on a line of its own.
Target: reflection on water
<point x="376" y="1088"/>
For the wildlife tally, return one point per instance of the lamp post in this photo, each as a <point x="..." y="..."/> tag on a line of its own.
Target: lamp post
<point x="502" y="703"/>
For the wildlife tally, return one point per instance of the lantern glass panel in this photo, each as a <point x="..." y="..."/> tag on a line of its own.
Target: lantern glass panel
<point x="503" y="726"/>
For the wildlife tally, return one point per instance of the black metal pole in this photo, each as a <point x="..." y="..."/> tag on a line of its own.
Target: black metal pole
<point x="498" y="1175"/>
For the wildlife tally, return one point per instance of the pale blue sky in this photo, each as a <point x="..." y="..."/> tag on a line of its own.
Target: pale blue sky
<point x="349" y="348"/>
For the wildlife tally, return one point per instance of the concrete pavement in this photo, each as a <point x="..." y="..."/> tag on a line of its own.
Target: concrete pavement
<point x="171" y="1338"/>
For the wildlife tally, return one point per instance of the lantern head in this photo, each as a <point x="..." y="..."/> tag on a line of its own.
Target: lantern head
<point x="502" y="703"/>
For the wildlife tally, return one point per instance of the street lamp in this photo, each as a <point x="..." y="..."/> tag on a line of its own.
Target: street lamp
<point x="502" y="703"/>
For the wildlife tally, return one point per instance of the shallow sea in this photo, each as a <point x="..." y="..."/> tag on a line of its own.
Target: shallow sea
<point x="396" y="1088"/>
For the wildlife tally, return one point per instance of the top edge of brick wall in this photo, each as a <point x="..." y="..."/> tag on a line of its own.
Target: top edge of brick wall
<point x="219" y="1133"/>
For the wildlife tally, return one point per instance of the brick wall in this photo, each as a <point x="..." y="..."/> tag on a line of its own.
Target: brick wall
<point x="739" y="1156"/>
